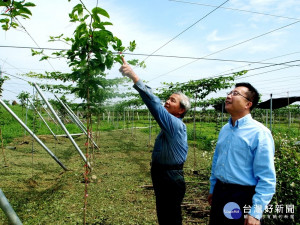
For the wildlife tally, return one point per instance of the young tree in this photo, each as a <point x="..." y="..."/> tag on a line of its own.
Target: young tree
<point x="93" y="50"/>
<point x="23" y="96"/>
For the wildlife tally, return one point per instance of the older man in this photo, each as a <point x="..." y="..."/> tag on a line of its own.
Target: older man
<point x="243" y="175"/>
<point x="170" y="149"/>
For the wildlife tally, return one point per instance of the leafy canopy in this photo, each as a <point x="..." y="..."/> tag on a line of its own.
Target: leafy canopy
<point x="201" y="88"/>
<point x="11" y="10"/>
<point x="93" y="50"/>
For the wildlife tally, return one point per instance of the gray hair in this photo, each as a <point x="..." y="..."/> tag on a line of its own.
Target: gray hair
<point x="185" y="102"/>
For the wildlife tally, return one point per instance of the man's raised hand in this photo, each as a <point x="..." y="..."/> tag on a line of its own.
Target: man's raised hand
<point x="123" y="60"/>
<point x="127" y="71"/>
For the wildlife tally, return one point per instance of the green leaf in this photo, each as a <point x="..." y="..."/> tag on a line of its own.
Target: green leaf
<point x="5" y="27"/>
<point x="25" y="10"/>
<point x="106" y="23"/>
<point x="17" y="5"/>
<point x="132" y="46"/>
<point x="78" y="8"/>
<point x="109" y="61"/>
<point x="14" y="25"/>
<point x="72" y="17"/>
<point x="100" y="57"/>
<point x="80" y="30"/>
<point x="34" y="52"/>
<point x="102" y="67"/>
<point x="6" y="20"/>
<point x="24" y="16"/>
<point x="44" y="58"/>
<point x="133" y="62"/>
<point x="68" y="39"/>
<point x="98" y="25"/>
<point x="142" y="64"/>
<point x="59" y="36"/>
<point x="118" y="59"/>
<point x="2" y="3"/>
<point x="29" y="4"/>
<point x="96" y="18"/>
<point x="119" y="43"/>
<point x="85" y="17"/>
<point x="98" y="10"/>
<point x="101" y="25"/>
<point x="102" y="38"/>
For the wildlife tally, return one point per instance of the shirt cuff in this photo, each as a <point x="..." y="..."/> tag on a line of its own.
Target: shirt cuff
<point x="211" y="190"/>
<point x="256" y="211"/>
<point x="139" y="84"/>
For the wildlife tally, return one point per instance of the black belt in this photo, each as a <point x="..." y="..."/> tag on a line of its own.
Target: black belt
<point x="166" y="167"/>
<point x="229" y="186"/>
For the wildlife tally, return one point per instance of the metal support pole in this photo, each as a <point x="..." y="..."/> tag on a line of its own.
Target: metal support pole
<point x="222" y="113"/>
<point x="8" y="210"/>
<point x="76" y="121"/>
<point x="194" y="134"/>
<point x="132" y="127"/>
<point x="32" y="134"/>
<point x="113" y="117"/>
<point x="75" y="116"/>
<point x="62" y="125"/>
<point x="289" y="115"/>
<point x="1" y="77"/>
<point x="124" y="119"/>
<point x="266" y="118"/>
<point x="42" y="119"/>
<point x="49" y="115"/>
<point x="271" y="107"/>
<point x="149" y="116"/>
<point x="26" y="115"/>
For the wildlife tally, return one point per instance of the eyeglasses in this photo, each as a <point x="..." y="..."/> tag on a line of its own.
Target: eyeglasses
<point x="235" y="93"/>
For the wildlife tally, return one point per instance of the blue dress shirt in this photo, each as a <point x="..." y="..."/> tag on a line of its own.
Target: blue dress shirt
<point x="244" y="155"/>
<point x="171" y="143"/>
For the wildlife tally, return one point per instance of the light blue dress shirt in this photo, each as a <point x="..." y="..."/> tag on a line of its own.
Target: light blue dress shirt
<point x="244" y="155"/>
<point x="171" y="143"/>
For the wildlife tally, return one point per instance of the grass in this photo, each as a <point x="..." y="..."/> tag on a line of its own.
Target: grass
<point x="11" y="128"/>
<point x="42" y="193"/>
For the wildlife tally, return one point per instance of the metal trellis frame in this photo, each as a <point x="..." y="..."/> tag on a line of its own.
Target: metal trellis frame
<point x="77" y="121"/>
<point x="62" y="125"/>
<point x="32" y="134"/>
<point x="42" y="119"/>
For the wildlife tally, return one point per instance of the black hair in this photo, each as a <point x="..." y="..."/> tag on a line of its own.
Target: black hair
<point x="252" y="94"/>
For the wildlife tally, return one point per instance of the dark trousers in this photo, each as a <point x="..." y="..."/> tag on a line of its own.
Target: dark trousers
<point x="169" y="187"/>
<point x="225" y="193"/>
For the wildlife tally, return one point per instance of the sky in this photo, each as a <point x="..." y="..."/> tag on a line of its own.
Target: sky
<point x="248" y="35"/>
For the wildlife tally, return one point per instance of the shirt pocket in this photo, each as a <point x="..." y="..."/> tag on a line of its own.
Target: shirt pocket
<point x="240" y="153"/>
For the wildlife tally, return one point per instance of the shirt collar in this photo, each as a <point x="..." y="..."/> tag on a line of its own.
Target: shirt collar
<point x="240" y="122"/>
